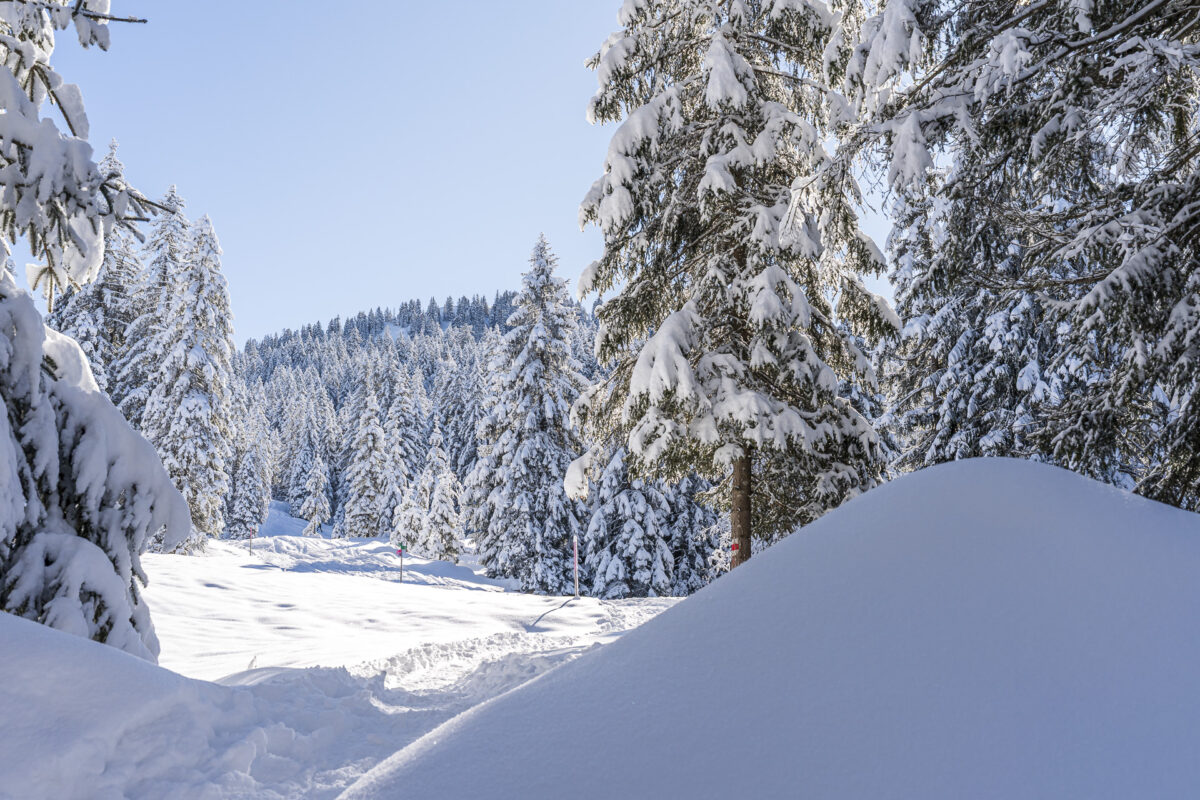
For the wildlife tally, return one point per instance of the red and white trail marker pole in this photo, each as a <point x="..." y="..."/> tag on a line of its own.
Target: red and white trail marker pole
<point x="250" y="543"/>
<point x="575" y="541"/>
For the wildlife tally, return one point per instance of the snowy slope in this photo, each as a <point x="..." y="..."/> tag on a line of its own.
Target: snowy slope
<point x="987" y="629"/>
<point x="81" y="720"/>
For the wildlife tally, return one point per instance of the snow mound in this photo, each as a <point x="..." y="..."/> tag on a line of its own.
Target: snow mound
<point x="989" y="628"/>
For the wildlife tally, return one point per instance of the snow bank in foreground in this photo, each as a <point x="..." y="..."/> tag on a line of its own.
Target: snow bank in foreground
<point x="981" y="629"/>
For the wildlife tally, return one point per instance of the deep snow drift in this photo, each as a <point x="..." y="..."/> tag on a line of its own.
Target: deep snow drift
<point x="980" y="629"/>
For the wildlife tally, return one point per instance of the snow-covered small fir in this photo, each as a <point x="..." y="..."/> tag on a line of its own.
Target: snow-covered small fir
<point x="627" y="543"/>
<point x="315" y="507"/>
<point x="438" y="491"/>
<point x="367" y="477"/>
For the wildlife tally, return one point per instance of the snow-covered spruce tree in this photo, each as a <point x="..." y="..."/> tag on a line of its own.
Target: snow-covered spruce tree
<point x="484" y="475"/>
<point x="530" y="520"/>
<point x="458" y="407"/>
<point x="82" y="493"/>
<point x="1087" y="114"/>
<point x="626" y="547"/>
<point x="67" y="557"/>
<point x="694" y="536"/>
<point x="96" y="314"/>
<point x="404" y="428"/>
<point x="315" y="507"/>
<point x="157" y="288"/>
<point x="306" y="449"/>
<point x="362" y="380"/>
<point x="250" y="469"/>
<point x="367" y="477"/>
<point x="724" y="344"/>
<point x="407" y="522"/>
<point x="402" y="446"/>
<point x="188" y="413"/>
<point x="975" y="362"/>
<point x="439" y="487"/>
<point x="79" y="313"/>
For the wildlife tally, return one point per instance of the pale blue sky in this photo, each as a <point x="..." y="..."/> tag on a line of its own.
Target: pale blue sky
<point x="358" y="154"/>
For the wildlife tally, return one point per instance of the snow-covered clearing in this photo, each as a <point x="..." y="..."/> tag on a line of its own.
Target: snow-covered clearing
<point x="324" y="664"/>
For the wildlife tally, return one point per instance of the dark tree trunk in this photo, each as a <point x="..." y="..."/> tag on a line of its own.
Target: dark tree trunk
<point x="739" y="512"/>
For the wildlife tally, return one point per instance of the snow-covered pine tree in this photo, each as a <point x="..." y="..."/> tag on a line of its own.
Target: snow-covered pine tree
<point x="315" y="507"/>
<point x="404" y="444"/>
<point x="694" y="536"/>
<point x="1070" y="126"/>
<point x="307" y="450"/>
<point x="188" y="415"/>
<point x="439" y="487"/>
<point x="485" y="474"/>
<point x="473" y="385"/>
<point x="407" y="522"/>
<point x="626" y="547"/>
<point x="96" y="314"/>
<point x="79" y="313"/>
<point x="458" y="389"/>
<point x="725" y="347"/>
<point x="156" y="290"/>
<point x="530" y="520"/>
<point x="250" y="469"/>
<point x="66" y="559"/>
<point x="367" y="478"/>
<point x="973" y="367"/>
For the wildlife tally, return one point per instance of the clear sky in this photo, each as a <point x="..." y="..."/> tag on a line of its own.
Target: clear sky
<point x="357" y="154"/>
<point x="354" y="155"/>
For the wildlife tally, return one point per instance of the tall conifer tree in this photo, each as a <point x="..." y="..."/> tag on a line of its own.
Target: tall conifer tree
<point x="67" y="559"/>
<point x="367" y="483"/>
<point x="188" y="411"/>
<point x="530" y="520"/>
<point x="725" y="348"/>
<point x="169" y="248"/>
<point x="1066" y="135"/>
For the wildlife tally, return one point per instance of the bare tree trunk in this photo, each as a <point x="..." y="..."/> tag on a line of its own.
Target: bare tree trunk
<point x="739" y="512"/>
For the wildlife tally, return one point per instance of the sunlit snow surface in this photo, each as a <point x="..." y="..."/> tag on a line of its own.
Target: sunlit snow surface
<point x="986" y="629"/>
<point x="324" y="662"/>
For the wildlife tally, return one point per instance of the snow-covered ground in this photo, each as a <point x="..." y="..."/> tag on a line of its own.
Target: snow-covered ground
<point x="982" y="629"/>
<point x="285" y="672"/>
<point x="986" y="629"/>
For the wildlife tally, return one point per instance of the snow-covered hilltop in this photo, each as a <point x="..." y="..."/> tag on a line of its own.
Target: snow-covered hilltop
<point x="990" y="628"/>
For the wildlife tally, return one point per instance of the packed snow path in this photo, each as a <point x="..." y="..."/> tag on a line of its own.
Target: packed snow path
<point x="324" y="664"/>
